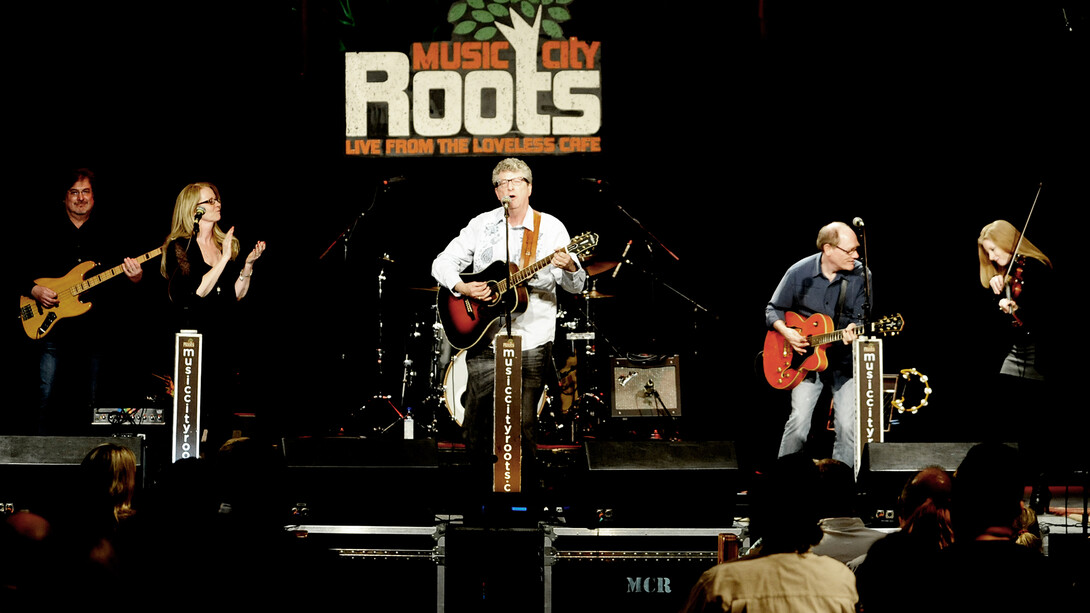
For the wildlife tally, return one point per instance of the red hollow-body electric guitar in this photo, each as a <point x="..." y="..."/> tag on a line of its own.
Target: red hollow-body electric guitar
<point x="784" y="368"/>
<point x="465" y="320"/>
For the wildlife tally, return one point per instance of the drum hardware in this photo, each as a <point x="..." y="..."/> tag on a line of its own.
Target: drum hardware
<point x="597" y="268"/>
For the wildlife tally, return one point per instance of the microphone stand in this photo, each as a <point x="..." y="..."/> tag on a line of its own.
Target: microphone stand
<point x="697" y="308"/>
<point x="858" y="222"/>
<point x="507" y="256"/>
<point x="345" y="238"/>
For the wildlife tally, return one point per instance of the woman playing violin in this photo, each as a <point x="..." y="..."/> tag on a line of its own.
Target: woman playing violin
<point x="1019" y="279"/>
<point x="1020" y="274"/>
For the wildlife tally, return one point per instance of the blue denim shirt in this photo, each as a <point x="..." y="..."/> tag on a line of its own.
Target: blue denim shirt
<point x="806" y="291"/>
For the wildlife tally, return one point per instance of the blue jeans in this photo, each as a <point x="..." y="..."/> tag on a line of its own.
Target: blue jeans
<point x="803" y="399"/>
<point x="81" y="370"/>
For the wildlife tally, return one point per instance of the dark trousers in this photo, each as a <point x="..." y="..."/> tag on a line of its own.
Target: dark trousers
<point x="479" y="418"/>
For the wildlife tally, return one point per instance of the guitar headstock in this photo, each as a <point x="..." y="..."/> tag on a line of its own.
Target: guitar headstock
<point x="583" y="243"/>
<point x="889" y="325"/>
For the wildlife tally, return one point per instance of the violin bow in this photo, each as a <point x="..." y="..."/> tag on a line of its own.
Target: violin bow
<point x="1018" y="243"/>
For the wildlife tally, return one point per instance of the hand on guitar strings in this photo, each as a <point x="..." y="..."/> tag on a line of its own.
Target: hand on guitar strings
<point x="45" y="296"/>
<point x="849" y="334"/>
<point x="132" y="269"/>
<point x="478" y="290"/>
<point x="564" y="261"/>
<point x="801" y="343"/>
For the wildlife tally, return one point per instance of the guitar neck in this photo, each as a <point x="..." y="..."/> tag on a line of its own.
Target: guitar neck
<point x="523" y="275"/>
<point x="838" y="335"/>
<point x="835" y="335"/>
<point x="90" y="282"/>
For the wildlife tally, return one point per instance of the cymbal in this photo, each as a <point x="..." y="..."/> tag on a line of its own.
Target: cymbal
<point x="595" y="294"/>
<point x="425" y="289"/>
<point x="597" y="268"/>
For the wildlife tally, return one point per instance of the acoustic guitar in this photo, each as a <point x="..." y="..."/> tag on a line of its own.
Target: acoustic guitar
<point x="465" y="319"/>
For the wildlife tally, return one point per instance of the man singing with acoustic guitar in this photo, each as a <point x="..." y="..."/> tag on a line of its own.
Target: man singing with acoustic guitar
<point x="830" y="282"/>
<point x="480" y="244"/>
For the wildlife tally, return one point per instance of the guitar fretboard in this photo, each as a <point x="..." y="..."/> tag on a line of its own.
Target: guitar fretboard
<point x="828" y="337"/>
<point x="106" y="275"/>
<point x="575" y="248"/>
<point x="523" y="275"/>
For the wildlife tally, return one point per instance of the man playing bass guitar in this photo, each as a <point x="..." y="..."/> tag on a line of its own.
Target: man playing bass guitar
<point x="77" y="236"/>
<point x="479" y="245"/>
<point x="829" y="282"/>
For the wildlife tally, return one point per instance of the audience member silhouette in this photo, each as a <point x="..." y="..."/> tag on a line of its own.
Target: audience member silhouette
<point x="845" y="537"/>
<point x="784" y="575"/>
<point x="26" y="559"/>
<point x="923" y="512"/>
<point x="985" y="504"/>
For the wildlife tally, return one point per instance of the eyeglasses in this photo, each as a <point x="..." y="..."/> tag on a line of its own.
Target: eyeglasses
<point x="854" y="251"/>
<point x="514" y="181"/>
<point x="78" y="192"/>
<point x="210" y="201"/>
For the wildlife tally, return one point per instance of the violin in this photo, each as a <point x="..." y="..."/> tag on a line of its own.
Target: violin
<point x="1015" y="279"/>
<point x="1016" y="267"/>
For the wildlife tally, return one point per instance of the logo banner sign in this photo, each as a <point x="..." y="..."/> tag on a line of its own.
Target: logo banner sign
<point x="509" y="83"/>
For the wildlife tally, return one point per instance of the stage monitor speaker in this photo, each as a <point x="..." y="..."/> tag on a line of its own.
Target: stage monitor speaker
<point x="646" y="389"/>
<point x="37" y="473"/>
<point x="659" y="484"/>
<point x="59" y="450"/>
<point x="887" y="467"/>
<point x="355" y="480"/>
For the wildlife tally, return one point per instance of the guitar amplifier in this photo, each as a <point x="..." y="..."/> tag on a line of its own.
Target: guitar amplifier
<point x="128" y="416"/>
<point x="646" y="389"/>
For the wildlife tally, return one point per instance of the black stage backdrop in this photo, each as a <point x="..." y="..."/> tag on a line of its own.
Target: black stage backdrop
<point x="732" y="148"/>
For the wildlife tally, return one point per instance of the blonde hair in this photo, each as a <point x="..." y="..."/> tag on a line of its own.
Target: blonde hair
<point x="1027" y="532"/>
<point x="109" y="472"/>
<point x="185" y="209"/>
<point x="1005" y="236"/>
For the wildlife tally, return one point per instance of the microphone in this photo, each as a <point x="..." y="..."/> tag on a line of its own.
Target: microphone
<point x="199" y="214"/>
<point x="623" y="256"/>
<point x="506" y="203"/>
<point x="392" y="180"/>
<point x="858" y="222"/>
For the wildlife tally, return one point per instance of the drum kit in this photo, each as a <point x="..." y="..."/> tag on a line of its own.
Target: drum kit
<point x="571" y="409"/>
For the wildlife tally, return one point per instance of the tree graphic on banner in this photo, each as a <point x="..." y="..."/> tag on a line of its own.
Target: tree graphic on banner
<point x="478" y="19"/>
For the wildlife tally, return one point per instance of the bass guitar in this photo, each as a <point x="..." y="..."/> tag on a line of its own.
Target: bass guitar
<point x="465" y="320"/>
<point x="785" y="368"/>
<point x="39" y="321"/>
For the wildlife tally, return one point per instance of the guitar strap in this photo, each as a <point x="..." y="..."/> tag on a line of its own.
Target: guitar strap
<point x="529" y="241"/>
<point x="840" y="301"/>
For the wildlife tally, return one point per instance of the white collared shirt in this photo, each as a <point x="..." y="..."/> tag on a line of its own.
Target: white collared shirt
<point x="480" y="243"/>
